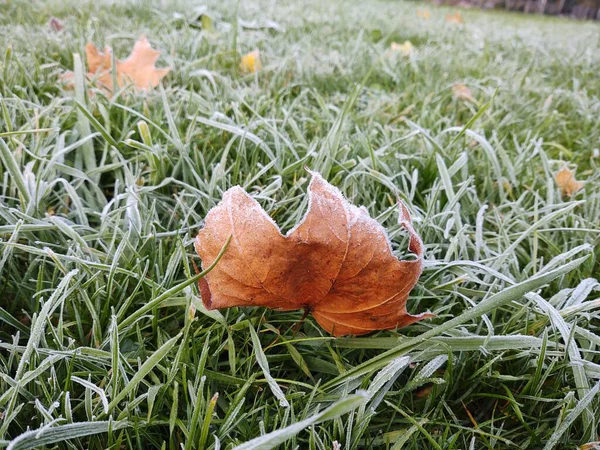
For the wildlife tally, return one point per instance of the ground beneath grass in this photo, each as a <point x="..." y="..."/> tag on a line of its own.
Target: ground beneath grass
<point x="104" y="342"/>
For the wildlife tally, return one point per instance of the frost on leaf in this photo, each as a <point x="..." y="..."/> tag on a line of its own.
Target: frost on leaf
<point x="336" y="263"/>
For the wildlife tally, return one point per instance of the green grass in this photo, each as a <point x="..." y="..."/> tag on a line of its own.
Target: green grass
<point x="104" y="342"/>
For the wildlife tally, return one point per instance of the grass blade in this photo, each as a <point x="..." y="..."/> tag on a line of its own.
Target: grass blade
<point x="271" y="440"/>
<point x="144" y="370"/>
<point x="504" y="297"/>
<point x="13" y="169"/>
<point x="51" y="435"/>
<point x="261" y="359"/>
<point x="581" y="406"/>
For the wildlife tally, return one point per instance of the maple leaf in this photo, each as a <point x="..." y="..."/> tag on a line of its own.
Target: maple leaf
<point x="250" y="62"/>
<point x="138" y="69"/>
<point x="565" y="179"/>
<point x="406" y="48"/>
<point x="454" y="18"/>
<point x="337" y="263"/>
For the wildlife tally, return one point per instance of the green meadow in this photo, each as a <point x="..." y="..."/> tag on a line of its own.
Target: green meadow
<point x="104" y="340"/>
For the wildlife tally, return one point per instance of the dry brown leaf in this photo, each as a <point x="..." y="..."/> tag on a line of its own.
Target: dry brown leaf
<point x="336" y="263"/>
<point x="250" y="62"/>
<point x="455" y="17"/>
<point x="462" y="92"/>
<point x="56" y="24"/>
<point x="565" y="179"/>
<point x="138" y="69"/>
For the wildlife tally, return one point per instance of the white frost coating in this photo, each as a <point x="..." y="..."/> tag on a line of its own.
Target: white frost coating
<point x="385" y="374"/>
<point x="370" y="225"/>
<point x="333" y="190"/>
<point x="250" y="217"/>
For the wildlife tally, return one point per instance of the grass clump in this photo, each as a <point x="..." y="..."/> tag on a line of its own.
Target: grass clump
<point x="104" y="342"/>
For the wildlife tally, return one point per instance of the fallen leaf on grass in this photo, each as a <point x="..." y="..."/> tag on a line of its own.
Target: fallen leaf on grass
<point x="55" y="24"/>
<point x="138" y="69"/>
<point x="336" y="263"/>
<point x="425" y="14"/>
<point x="424" y="391"/>
<point x="462" y="92"/>
<point x="251" y="62"/>
<point x="565" y="179"/>
<point x="405" y="49"/>
<point x="455" y="17"/>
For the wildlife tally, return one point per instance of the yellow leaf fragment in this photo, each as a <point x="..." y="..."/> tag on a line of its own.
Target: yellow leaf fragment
<point x="405" y="49"/>
<point x="565" y="179"/>
<point x="251" y="62"/>
<point x="191" y="312"/>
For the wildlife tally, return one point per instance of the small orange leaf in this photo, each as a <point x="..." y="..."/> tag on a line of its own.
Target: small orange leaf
<point x="455" y="17"/>
<point x="462" y="92"/>
<point x="138" y="69"/>
<point x="336" y="263"/>
<point x="565" y="179"/>
<point x="425" y="14"/>
<point x="251" y="62"/>
<point x="405" y="49"/>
